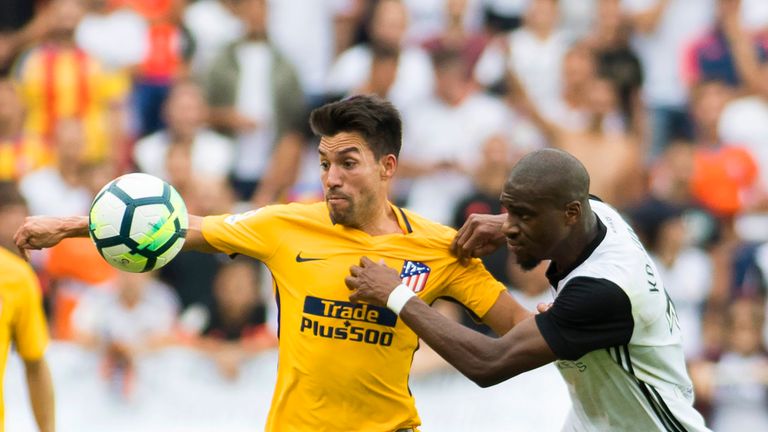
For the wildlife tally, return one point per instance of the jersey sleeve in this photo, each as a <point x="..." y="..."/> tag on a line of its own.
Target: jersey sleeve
<point x="474" y="287"/>
<point x="29" y="332"/>
<point x="253" y="233"/>
<point x="589" y="314"/>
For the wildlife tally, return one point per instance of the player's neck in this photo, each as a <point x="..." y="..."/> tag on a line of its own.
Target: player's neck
<point x="382" y="221"/>
<point x="575" y="245"/>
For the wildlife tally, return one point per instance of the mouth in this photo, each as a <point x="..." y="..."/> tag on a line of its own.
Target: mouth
<point x="514" y="246"/>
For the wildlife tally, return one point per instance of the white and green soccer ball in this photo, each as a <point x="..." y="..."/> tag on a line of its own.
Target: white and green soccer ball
<point x="138" y="222"/>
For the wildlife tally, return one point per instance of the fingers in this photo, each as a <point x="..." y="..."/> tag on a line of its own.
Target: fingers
<point x="365" y="261"/>
<point x="351" y="282"/>
<point x="355" y="270"/>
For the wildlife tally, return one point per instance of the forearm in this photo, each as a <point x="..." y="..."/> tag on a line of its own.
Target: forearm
<point x="283" y="170"/>
<point x="471" y="353"/>
<point x="41" y="397"/>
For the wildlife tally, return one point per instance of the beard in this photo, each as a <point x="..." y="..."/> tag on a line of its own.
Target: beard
<point x="527" y="263"/>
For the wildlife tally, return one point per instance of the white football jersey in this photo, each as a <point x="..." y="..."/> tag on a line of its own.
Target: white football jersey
<point x="616" y="334"/>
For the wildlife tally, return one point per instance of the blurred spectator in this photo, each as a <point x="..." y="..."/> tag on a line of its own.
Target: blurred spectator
<point x="170" y="48"/>
<point x="311" y="51"/>
<point x="443" y="138"/>
<point x="620" y="183"/>
<point x="191" y="274"/>
<point x="488" y="180"/>
<point x="534" y="53"/>
<point x="384" y="64"/>
<point x="118" y="38"/>
<point x="432" y="17"/>
<point x="255" y="95"/>
<point x="59" y="80"/>
<point x="136" y="317"/>
<point x="185" y="113"/>
<point x="685" y="269"/>
<point x="662" y="29"/>
<point x="714" y="56"/>
<point x="213" y="25"/>
<point x="235" y="328"/>
<point x="59" y="190"/>
<point x="456" y="36"/>
<point x="502" y="16"/>
<point x="736" y="385"/>
<point x="616" y="60"/>
<point x="20" y="152"/>
<point x="724" y="174"/>
<point x="22" y="22"/>
<point x="413" y="81"/>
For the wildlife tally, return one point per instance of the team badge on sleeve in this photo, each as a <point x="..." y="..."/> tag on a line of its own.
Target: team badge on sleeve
<point x="414" y="275"/>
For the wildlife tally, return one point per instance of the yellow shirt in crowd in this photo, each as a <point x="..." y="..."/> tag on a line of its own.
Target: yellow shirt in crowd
<point x="56" y="83"/>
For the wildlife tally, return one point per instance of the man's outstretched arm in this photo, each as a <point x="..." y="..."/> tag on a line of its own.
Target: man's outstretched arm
<point x="485" y="360"/>
<point x="39" y="232"/>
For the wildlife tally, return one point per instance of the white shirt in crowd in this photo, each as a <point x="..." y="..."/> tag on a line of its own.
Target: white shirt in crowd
<point x="413" y="83"/>
<point x="212" y="154"/>
<point x="537" y="64"/>
<point x="119" y="39"/>
<point x="213" y="26"/>
<point x="661" y="50"/>
<point x="48" y="194"/>
<point x="436" y="132"/>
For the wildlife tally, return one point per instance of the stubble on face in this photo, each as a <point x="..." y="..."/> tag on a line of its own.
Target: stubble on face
<point x="344" y="205"/>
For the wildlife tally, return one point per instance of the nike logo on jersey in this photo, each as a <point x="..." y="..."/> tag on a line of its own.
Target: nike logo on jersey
<point x="301" y="259"/>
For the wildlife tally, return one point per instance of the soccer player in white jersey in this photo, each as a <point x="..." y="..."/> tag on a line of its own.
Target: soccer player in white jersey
<point x="611" y="330"/>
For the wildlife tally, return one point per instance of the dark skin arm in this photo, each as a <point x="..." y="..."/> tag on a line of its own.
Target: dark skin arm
<point x="486" y="361"/>
<point x="479" y="236"/>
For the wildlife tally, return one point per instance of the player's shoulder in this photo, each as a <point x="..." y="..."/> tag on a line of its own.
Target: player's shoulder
<point x="428" y="229"/>
<point x="15" y="270"/>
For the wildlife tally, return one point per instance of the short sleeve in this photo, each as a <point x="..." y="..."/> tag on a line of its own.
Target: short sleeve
<point x="30" y="333"/>
<point x="588" y="314"/>
<point x="253" y="233"/>
<point x="474" y="287"/>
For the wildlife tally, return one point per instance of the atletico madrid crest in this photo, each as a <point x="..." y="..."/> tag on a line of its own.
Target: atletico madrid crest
<point x="414" y="275"/>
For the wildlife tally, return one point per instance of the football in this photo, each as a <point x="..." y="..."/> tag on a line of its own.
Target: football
<point x="138" y="222"/>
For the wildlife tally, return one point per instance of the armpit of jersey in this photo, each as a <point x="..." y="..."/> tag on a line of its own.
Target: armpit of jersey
<point x="588" y="314"/>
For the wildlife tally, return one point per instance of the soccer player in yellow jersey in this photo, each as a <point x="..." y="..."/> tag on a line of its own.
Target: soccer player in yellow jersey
<point x="343" y="366"/>
<point x="21" y="313"/>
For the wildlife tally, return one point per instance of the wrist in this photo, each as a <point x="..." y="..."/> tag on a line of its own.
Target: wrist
<point x="399" y="297"/>
<point x="75" y="226"/>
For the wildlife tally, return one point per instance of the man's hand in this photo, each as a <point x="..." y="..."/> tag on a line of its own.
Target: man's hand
<point x="479" y="236"/>
<point x="40" y="232"/>
<point x="371" y="282"/>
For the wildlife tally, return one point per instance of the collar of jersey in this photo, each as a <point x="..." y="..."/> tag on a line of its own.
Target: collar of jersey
<point x="402" y="219"/>
<point x="555" y="275"/>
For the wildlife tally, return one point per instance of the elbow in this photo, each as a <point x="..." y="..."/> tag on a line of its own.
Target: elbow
<point x="489" y="373"/>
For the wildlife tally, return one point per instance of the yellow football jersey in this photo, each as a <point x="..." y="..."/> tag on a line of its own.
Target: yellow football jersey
<point x="345" y="366"/>
<point x="21" y="313"/>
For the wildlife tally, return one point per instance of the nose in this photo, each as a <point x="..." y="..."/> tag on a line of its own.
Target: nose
<point x="510" y="227"/>
<point x="333" y="177"/>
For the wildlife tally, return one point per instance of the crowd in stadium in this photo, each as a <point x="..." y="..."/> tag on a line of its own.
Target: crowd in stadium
<point x="664" y="101"/>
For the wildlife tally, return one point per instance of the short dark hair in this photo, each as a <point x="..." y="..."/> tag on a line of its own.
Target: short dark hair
<point x="374" y="118"/>
<point x="10" y="195"/>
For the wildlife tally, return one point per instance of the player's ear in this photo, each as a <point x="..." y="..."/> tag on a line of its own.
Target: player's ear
<point x="388" y="166"/>
<point x="572" y="212"/>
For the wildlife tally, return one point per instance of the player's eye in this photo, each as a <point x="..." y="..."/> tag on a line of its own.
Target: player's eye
<point x="324" y="165"/>
<point x="349" y="164"/>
